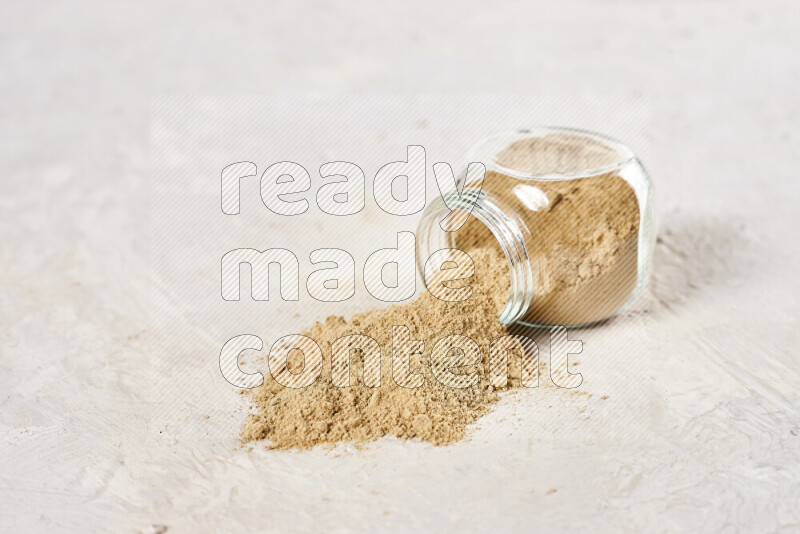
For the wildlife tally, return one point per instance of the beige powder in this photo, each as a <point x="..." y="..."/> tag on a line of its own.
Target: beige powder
<point x="324" y="413"/>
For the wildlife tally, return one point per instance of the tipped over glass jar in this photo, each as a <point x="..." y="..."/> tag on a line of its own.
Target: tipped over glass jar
<point x="571" y="211"/>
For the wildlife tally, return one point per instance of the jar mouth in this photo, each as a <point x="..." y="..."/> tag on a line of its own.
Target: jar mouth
<point x="506" y="232"/>
<point x="487" y="150"/>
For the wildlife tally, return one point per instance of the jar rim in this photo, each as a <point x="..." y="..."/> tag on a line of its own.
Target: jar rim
<point x="505" y="231"/>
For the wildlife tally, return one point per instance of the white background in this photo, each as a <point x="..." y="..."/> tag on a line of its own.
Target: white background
<point x="701" y="428"/>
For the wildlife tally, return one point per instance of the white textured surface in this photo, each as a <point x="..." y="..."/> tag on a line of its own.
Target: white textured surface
<point x="701" y="430"/>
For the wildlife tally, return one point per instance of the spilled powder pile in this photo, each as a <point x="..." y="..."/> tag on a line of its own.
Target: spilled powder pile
<point x="324" y="413"/>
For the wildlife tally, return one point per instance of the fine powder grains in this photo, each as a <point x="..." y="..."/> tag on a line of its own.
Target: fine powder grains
<point x="325" y="413"/>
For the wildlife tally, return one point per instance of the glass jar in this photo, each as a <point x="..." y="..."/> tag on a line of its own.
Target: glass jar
<point x="571" y="211"/>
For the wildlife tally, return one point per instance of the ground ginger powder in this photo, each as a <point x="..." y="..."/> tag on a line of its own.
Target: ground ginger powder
<point x="324" y="413"/>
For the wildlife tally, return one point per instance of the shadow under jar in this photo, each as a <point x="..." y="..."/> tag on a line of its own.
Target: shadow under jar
<point x="571" y="211"/>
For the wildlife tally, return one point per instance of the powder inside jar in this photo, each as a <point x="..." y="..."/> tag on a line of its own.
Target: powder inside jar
<point x="581" y="235"/>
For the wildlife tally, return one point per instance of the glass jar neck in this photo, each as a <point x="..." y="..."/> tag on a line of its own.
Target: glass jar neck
<point x="507" y="232"/>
